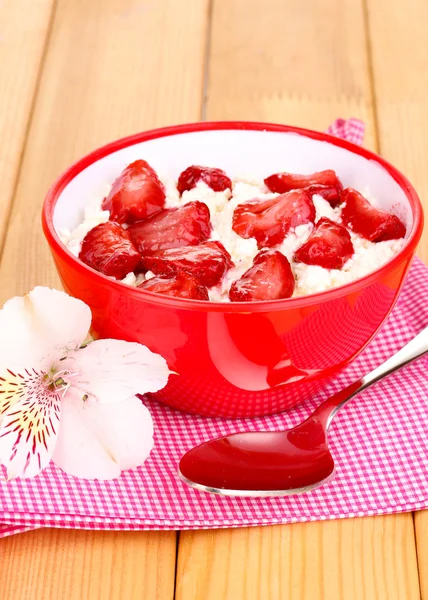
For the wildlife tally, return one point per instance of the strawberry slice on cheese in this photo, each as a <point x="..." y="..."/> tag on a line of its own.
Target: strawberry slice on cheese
<point x="207" y="262"/>
<point x="179" y="285"/>
<point x="136" y="194"/>
<point x="371" y="223"/>
<point x="108" y="248"/>
<point x="186" y="225"/>
<point x="284" y="182"/>
<point x="270" y="278"/>
<point x="328" y="246"/>
<point x="216" y="179"/>
<point x="269" y="221"/>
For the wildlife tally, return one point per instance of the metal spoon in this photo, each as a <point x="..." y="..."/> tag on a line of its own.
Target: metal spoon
<point x="287" y="462"/>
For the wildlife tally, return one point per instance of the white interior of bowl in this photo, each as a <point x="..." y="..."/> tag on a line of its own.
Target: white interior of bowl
<point x="254" y="154"/>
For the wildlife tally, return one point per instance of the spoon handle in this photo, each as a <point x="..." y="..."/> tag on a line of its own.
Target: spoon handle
<point x="416" y="348"/>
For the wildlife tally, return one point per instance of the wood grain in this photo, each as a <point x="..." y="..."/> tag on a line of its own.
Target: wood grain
<point x="74" y="565"/>
<point x="300" y="63"/>
<point x="262" y="66"/>
<point x="399" y="46"/>
<point x="351" y="559"/>
<point x="24" y="28"/>
<point x="113" y="67"/>
<point x="400" y="71"/>
<point x="421" y="530"/>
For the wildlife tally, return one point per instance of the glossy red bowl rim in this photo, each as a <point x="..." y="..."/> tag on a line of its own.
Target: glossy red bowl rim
<point x="247" y="307"/>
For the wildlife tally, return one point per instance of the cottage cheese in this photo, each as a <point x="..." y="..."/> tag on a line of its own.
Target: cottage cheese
<point x="367" y="258"/>
<point x="310" y="279"/>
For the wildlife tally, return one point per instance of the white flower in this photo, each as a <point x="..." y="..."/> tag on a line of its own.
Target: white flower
<point x="74" y="405"/>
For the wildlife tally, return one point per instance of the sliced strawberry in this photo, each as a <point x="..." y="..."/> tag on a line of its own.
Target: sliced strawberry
<point x="108" y="248"/>
<point x="331" y="194"/>
<point x="208" y="262"/>
<point x="136" y="194"/>
<point x="370" y="222"/>
<point x="180" y="285"/>
<point x="216" y="179"/>
<point x="186" y="225"/>
<point x="284" y="182"/>
<point x="270" y="278"/>
<point x="328" y="246"/>
<point x="270" y="220"/>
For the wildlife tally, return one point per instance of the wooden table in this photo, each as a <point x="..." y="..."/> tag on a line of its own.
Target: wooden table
<point x="75" y="74"/>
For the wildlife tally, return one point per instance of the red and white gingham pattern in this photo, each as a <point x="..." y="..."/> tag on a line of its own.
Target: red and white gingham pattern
<point x="379" y="442"/>
<point x="348" y="129"/>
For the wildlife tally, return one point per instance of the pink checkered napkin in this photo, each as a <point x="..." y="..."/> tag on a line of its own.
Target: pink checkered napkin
<point x="379" y="442"/>
<point x="351" y="130"/>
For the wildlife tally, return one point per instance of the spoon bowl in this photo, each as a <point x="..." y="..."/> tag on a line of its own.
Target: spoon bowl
<point x="261" y="463"/>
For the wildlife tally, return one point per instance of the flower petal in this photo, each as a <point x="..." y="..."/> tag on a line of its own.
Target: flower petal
<point x="112" y="370"/>
<point x="36" y="328"/>
<point x="99" y="441"/>
<point x="29" y="420"/>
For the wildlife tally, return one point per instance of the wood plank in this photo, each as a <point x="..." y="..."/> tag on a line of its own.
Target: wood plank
<point x="304" y="64"/>
<point x="300" y="63"/>
<point x="421" y="530"/>
<point x="24" y="27"/>
<point x="368" y="559"/>
<point x="113" y="67"/>
<point x="400" y="57"/>
<point x="73" y="565"/>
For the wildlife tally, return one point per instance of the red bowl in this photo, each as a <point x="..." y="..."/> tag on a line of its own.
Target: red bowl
<point x="240" y="359"/>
